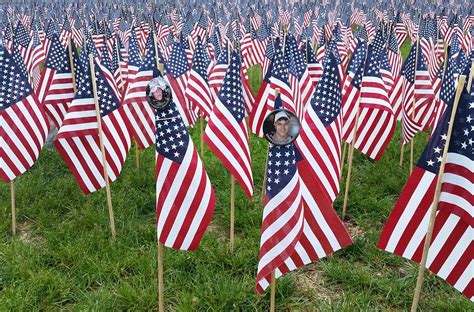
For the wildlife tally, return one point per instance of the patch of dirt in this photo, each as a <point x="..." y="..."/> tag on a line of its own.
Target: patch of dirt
<point x="24" y="232"/>
<point x="218" y="231"/>
<point x="311" y="279"/>
<point x="353" y="229"/>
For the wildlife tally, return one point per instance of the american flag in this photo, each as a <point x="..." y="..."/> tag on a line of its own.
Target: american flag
<point x="198" y="91"/>
<point x="376" y="120"/>
<point x="37" y="58"/>
<point x="283" y="214"/>
<point x="139" y="112"/>
<point x="226" y="133"/>
<point x="321" y="131"/>
<point x="51" y="31"/>
<point x="217" y="72"/>
<point x="177" y="74"/>
<point x="299" y="224"/>
<point x="315" y="68"/>
<point x="446" y="92"/>
<point x="300" y="81"/>
<point x="66" y="32"/>
<point x="451" y="247"/>
<point x="56" y="89"/>
<point x="400" y="31"/>
<point x="23" y="123"/>
<point x="351" y="91"/>
<point x="134" y="58"/>
<point x="265" y="99"/>
<point x="185" y="198"/>
<point x="78" y="138"/>
<point x="418" y="100"/>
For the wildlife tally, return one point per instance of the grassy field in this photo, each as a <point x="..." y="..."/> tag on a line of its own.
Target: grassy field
<point x="64" y="259"/>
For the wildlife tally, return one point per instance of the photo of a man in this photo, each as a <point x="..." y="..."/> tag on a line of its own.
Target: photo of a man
<point x="281" y="127"/>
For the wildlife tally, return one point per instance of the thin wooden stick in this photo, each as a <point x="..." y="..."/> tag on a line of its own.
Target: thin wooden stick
<point x="137" y="155"/>
<point x="264" y="179"/>
<point x="402" y="153"/>
<point x="434" y="206"/>
<point x="343" y="155"/>
<point x="13" y="203"/>
<point x="412" y="142"/>
<point x="349" y="169"/>
<point x="201" y="126"/>
<point x="102" y="148"/>
<point x="160" y="277"/>
<point x="71" y="63"/>
<point x="272" y="292"/>
<point x="232" y="211"/>
<point x="471" y="74"/>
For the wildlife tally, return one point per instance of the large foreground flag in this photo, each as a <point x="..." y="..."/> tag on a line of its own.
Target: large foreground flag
<point x="23" y="122"/>
<point x="452" y="247"/>
<point x="226" y="133"/>
<point x="299" y="224"/>
<point x="185" y="198"/>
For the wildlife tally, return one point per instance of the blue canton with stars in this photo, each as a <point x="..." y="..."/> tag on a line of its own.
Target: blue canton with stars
<point x="14" y="84"/>
<point x="201" y="60"/>
<point x="327" y="99"/>
<point x="356" y="64"/>
<point x="230" y="93"/>
<point x="171" y="137"/>
<point x="281" y="167"/>
<point x="134" y="58"/>
<point x="279" y="69"/>
<point x="108" y="102"/>
<point x="177" y="64"/>
<point x="408" y="68"/>
<point x="462" y="137"/>
<point x="431" y="158"/>
<point x="57" y="58"/>
<point x="448" y="88"/>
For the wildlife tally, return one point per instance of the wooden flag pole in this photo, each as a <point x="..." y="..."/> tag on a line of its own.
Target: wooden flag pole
<point x="471" y="74"/>
<point x="264" y="178"/>
<point x="402" y="153"/>
<point x="71" y="63"/>
<point x="344" y="144"/>
<point x="12" y="186"/>
<point x="412" y="142"/>
<point x="159" y="247"/>
<point x="272" y="292"/>
<point x="102" y="148"/>
<point x="232" y="211"/>
<point x="434" y="206"/>
<point x="201" y="127"/>
<point x="349" y="168"/>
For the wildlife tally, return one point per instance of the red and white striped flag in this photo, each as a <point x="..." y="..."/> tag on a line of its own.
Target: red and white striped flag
<point x="376" y="122"/>
<point x="299" y="225"/>
<point x="452" y="246"/>
<point x="139" y="112"/>
<point x="321" y="131"/>
<point x="197" y="91"/>
<point x="185" y="198"/>
<point x="23" y="122"/>
<point x="226" y="133"/>
<point x="56" y="89"/>
<point x="78" y="138"/>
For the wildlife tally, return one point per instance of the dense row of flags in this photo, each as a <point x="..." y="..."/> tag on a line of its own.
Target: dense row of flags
<point x="86" y="71"/>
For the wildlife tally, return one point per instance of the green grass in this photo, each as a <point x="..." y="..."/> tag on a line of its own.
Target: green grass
<point x="64" y="259"/>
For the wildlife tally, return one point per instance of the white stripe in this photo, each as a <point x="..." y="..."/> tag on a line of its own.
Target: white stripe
<point x="174" y="189"/>
<point x="409" y="211"/>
